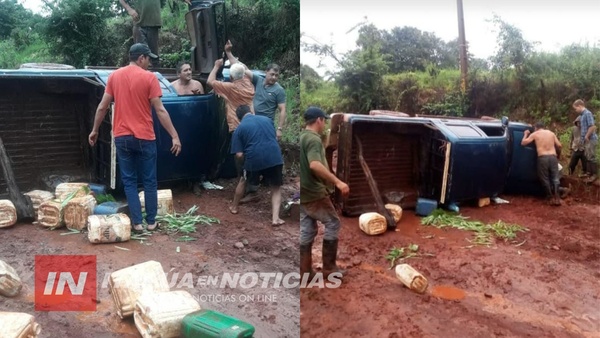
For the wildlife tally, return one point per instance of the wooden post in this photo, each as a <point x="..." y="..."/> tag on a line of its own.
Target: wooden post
<point x="391" y="222"/>
<point x="22" y="203"/>
<point x="462" y="43"/>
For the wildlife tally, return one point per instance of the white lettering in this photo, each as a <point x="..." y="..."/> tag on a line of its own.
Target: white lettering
<point x="65" y="278"/>
<point x="187" y="280"/>
<point x="230" y="280"/>
<point x="253" y="280"/>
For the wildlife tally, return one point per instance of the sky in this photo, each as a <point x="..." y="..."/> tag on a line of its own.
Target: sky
<point x="554" y="24"/>
<point x="34" y="5"/>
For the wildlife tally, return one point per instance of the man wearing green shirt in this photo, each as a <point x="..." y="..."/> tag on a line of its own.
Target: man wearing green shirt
<point x="316" y="184"/>
<point x="146" y="23"/>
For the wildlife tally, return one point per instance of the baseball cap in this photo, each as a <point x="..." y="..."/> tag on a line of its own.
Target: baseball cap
<point x="313" y="113"/>
<point x="142" y="49"/>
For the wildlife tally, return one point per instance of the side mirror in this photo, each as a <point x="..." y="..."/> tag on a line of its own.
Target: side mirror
<point x="505" y="121"/>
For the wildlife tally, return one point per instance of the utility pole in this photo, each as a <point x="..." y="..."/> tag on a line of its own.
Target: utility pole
<point x="462" y="44"/>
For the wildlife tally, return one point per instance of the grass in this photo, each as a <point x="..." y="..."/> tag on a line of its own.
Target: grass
<point x="484" y="234"/>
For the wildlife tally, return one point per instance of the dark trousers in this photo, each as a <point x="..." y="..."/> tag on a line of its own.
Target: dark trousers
<point x="149" y="36"/>
<point x="576" y="156"/>
<point x="547" y="169"/>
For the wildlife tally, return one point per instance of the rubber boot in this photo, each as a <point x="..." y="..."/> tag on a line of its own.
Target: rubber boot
<point x="329" y="258"/>
<point x="306" y="260"/>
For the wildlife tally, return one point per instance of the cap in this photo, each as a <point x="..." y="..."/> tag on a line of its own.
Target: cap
<point x="142" y="49"/>
<point x="313" y="113"/>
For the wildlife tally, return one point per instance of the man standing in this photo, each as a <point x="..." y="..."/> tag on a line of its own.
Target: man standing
<point x="588" y="138"/>
<point x="577" y="148"/>
<point x="146" y="23"/>
<point x="316" y="184"/>
<point x="238" y="92"/>
<point x="269" y="96"/>
<point x="135" y="91"/>
<point x="547" y="145"/>
<point x="185" y="85"/>
<point x="255" y="144"/>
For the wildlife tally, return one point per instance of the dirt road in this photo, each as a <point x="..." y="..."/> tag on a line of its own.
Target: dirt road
<point x="274" y="312"/>
<point x="546" y="287"/>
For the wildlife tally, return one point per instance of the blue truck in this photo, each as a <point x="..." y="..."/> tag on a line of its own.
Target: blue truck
<point x="47" y="112"/>
<point x="442" y="159"/>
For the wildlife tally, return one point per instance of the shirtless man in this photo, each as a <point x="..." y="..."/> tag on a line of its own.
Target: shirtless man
<point x="185" y="85"/>
<point x="547" y="146"/>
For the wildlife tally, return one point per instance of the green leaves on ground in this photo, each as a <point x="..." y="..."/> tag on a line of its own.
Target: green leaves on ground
<point x="185" y="223"/>
<point x="401" y="254"/>
<point x="484" y="233"/>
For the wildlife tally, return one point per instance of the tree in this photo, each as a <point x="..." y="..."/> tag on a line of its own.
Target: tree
<point x="512" y="49"/>
<point x="77" y="29"/>
<point x="361" y="77"/>
<point x="410" y="49"/>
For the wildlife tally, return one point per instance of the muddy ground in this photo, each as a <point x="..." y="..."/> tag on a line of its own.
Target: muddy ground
<point x="545" y="287"/>
<point x="273" y="312"/>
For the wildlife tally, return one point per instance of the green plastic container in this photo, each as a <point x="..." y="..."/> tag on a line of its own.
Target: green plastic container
<point x="213" y="324"/>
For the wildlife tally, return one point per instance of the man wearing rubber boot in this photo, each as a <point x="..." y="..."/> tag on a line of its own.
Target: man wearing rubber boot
<point x="316" y="184"/>
<point x="548" y="151"/>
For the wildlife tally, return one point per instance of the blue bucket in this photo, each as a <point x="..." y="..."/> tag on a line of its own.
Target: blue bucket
<point x="109" y="208"/>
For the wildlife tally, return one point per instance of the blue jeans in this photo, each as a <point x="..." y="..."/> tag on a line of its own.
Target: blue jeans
<point x="138" y="156"/>
<point x="321" y="210"/>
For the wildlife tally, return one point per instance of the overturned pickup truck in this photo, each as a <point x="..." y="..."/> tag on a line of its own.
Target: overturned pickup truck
<point x="47" y="116"/>
<point x="47" y="112"/>
<point x="442" y="159"/>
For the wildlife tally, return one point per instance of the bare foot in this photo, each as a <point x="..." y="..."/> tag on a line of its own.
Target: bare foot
<point x="233" y="210"/>
<point x="278" y="222"/>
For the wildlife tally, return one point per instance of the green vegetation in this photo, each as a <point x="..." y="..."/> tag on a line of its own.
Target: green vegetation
<point x="483" y="233"/>
<point x="185" y="223"/>
<point x="401" y="253"/>
<point x="407" y="70"/>
<point x="99" y="32"/>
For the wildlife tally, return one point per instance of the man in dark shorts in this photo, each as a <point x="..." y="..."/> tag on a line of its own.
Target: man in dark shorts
<point x="254" y="141"/>
<point x="547" y="146"/>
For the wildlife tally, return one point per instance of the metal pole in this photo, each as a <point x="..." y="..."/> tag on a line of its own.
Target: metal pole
<point x="462" y="43"/>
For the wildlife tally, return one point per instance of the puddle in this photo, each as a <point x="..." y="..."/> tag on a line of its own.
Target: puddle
<point x="448" y="292"/>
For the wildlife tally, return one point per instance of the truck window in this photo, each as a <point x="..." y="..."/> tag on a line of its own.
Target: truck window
<point x="463" y="130"/>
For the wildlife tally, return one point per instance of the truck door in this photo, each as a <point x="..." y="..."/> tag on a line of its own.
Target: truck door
<point x="522" y="174"/>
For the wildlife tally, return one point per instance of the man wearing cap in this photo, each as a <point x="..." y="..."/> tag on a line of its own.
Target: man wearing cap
<point x="146" y="23"/>
<point x="316" y="185"/>
<point x="254" y="142"/>
<point x="135" y="91"/>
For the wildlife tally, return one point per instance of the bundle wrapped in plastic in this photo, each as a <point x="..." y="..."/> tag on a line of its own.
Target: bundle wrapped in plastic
<point x="372" y="223"/>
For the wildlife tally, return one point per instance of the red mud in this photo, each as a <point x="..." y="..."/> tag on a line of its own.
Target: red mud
<point x="448" y="292"/>
<point x="544" y="283"/>
<point x="274" y="312"/>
